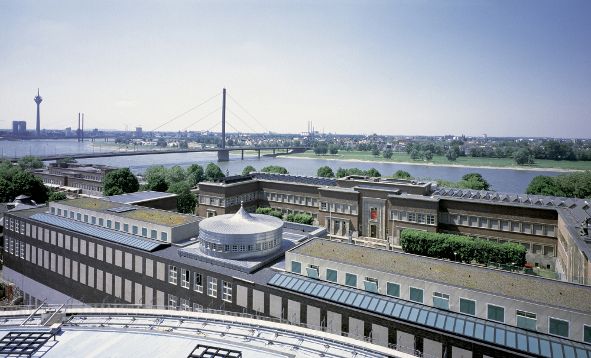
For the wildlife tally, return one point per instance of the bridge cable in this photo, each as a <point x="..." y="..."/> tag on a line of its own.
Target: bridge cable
<point x="247" y="112"/>
<point x="243" y="121"/>
<point x="237" y="131"/>
<point x="205" y="116"/>
<point x="187" y="111"/>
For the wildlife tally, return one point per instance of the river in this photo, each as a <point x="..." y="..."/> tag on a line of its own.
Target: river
<point x="502" y="180"/>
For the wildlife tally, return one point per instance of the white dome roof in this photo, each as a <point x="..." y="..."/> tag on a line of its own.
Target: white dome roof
<point x="240" y="223"/>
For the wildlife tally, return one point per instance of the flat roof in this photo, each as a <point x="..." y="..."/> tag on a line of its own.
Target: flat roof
<point x="138" y="197"/>
<point x="525" y="287"/>
<point x="141" y="213"/>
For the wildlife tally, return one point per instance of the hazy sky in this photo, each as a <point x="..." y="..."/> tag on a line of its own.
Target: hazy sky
<point x="389" y="67"/>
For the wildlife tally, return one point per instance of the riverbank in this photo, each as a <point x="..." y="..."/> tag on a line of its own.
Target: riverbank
<point x="462" y="162"/>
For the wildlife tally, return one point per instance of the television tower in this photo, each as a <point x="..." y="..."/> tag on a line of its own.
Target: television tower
<point x="38" y="100"/>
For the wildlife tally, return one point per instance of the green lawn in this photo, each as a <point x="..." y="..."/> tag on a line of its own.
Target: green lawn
<point x="442" y="160"/>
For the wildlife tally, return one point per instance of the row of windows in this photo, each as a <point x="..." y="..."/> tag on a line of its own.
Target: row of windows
<point x="236" y="200"/>
<point x="88" y="187"/>
<point x="413" y="217"/>
<point x="289" y="199"/>
<point x="526" y="320"/>
<point x="110" y="224"/>
<point x="338" y="208"/>
<point x="261" y="246"/>
<point x="212" y="283"/>
<point x="498" y="224"/>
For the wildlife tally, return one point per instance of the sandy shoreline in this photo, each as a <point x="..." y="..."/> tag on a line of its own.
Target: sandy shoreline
<point x="558" y="170"/>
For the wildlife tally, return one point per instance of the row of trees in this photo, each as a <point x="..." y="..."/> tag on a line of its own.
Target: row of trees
<point x="296" y="218"/>
<point x="473" y="181"/>
<point x="323" y="148"/>
<point x="16" y="180"/>
<point x="576" y="185"/>
<point x="461" y="248"/>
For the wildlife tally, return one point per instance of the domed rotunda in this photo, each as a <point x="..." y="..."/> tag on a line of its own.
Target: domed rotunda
<point x="241" y="235"/>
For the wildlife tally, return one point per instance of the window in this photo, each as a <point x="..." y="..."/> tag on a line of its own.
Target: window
<point x="549" y="251"/>
<point x="153" y="234"/>
<point x="331" y="275"/>
<point x="468" y="306"/>
<point x="212" y="286"/>
<point x="134" y="230"/>
<point x="431" y="219"/>
<point x="393" y="289"/>
<point x="351" y="279"/>
<point x="416" y="294"/>
<point x="185" y="278"/>
<point x="126" y="227"/>
<point x="526" y="320"/>
<point x="496" y="313"/>
<point x="109" y="223"/>
<point x="163" y="236"/>
<point x="373" y="214"/>
<point x="441" y="300"/>
<point x="185" y="305"/>
<point x="296" y="267"/>
<point x="144" y="232"/>
<point x="198" y="282"/>
<point x="587" y="334"/>
<point x="371" y="284"/>
<point x="172" y="300"/>
<point x="172" y="274"/>
<point x="412" y="217"/>
<point x="78" y="216"/>
<point x="101" y="221"/>
<point x="85" y="218"/>
<point x="226" y="291"/>
<point x="558" y="327"/>
<point x="117" y="225"/>
<point x="312" y="271"/>
<point x="93" y="220"/>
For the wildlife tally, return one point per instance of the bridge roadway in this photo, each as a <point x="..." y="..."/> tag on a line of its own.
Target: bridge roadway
<point x="223" y="153"/>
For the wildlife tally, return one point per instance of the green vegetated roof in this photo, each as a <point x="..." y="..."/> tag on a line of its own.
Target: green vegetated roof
<point x="508" y="284"/>
<point x="155" y="216"/>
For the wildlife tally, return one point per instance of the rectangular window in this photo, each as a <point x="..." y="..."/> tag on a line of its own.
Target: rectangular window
<point x="431" y="219"/>
<point x="312" y="271"/>
<point x="185" y="278"/>
<point x="109" y="223"/>
<point x="198" y="282"/>
<point x="117" y="225"/>
<point x="78" y="216"/>
<point x="226" y="291"/>
<point x="587" y="334"/>
<point x="85" y="218"/>
<point x="144" y="232"/>
<point x="212" y="286"/>
<point x="411" y="217"/>
<point x="126" y="227"/>
<point x="549" y="251"/>
<point x="416" y="294"/>
<point x="172" y="300"/>
<point x="296" y="267"/>
<point x="93" y="220"/>
<point x="172" y="274"/>
<point x="496" y="313"/>
<point x="101" y="221"/>
<point x="331" y="275"/>
<point x="350" y="279"/>
<point x="185" y="305"/>
<point x="393" y="289"/>
<point x="526" y="320"/>
<point x="134" y="230"/>
<point x="468" y="306"/>
<point x="371" y="284"/>
<point x="373" y="214"/>
<point x="558" y="327"/>
<point x="163" y="236"/>
<point x="441" y="300"/>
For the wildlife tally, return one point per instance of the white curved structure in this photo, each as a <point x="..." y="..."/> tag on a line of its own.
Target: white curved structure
<point x="241" y="235"/>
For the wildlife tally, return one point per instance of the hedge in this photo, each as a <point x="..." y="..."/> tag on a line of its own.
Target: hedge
<point x="269" y="211"/>
<point x="467" y="249"/>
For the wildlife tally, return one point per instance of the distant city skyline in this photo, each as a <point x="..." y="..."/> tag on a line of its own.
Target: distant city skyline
<point x="391" y="68"/>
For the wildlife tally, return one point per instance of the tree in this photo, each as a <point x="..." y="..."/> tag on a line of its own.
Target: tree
<point x="402" y="174"/>
<point x="161" y="143"/>
<point x="248" y="169"/>
<point x="373" y="172"/>
<point x="333" y="149"/>
<point x="543" y="185"/>
<point x="6" y="191"/>
<point x="343" y="172"/>
<point x="120" y="181"/>
<point x="175" y="174"/>
<point x="213" y="172"/>
<point x="474" y="181"/>
<point x="320" y="148"/>
<point x="451" y="155"/>
<point x="183" y="144"/>
<point x="576" y="185"/>
<point x="57" y="195"/>
<point x="375" y="151"/>
<point x="387" y="153"/>
<point x="24" y="182"/>
<point x="306" y="219"/>
<point x="269" y="211"/>
<point x="65" y="161"/>
<point x="155" y="177"/>
<point x="523" y="156"/>
<point x="30" y="162"/>
<point x="415" y="154"/>
<point x="195" y="174"/>
<point x="274" y="169"/>
<point x="185" y="202"/>
<point x="428" y="155"/>
<point x="325" y="172"/>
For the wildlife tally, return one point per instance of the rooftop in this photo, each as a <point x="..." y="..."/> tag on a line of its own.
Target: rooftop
<point x="526" y="287"/>
<point x="155" y="216"/>
<point x="138" y="197"/>
<point x="137" y="332"/>
<point x="240" y="223"/>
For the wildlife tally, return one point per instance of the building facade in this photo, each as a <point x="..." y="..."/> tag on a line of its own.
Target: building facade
<point x="82" y="178"/>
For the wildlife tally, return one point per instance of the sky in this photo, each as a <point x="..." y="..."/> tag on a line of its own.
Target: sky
<point x="504" y="68"/>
